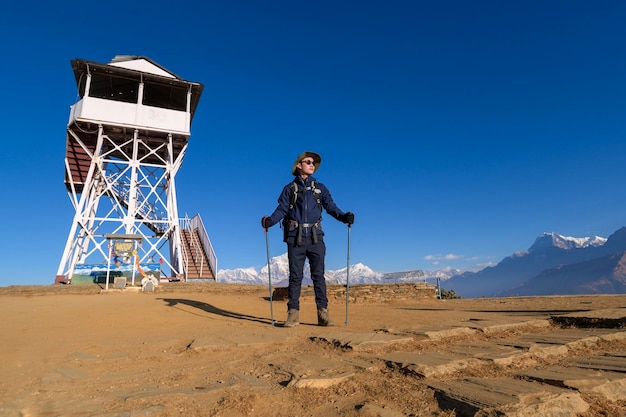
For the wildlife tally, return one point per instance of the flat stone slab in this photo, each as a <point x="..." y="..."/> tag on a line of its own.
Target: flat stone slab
<point x="614" y="336"/>
<point x="487" y="351"/>
<point x="565" y="336"/>
<point x="429" y="364"/>
<point x="615" y="362"/>
<point x="540" y="350"/>
<point x="508" y="397"/>
<point x="558" y="342"/>
<point x="314" y="371"/>
<point x="475" y="326"/>
<point x="362" y="341"/>
<point x="319" y="382"/>
<point x="610" y="385"/>
<point x="507" y="327"/>
<point x="449" y="333"/>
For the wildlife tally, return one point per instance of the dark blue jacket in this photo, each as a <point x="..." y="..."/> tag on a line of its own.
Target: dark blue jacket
<point x="306" y="210"/>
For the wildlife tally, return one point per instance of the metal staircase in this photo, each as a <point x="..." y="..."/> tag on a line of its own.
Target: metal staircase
<point x="199" y="260"/>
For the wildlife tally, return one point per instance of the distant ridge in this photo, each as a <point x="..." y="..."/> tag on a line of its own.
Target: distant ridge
<point x="399" y="276"/>
<point x="603" y="275"/>
<point x="554" y="264"/>
<point x="359" y="274"/>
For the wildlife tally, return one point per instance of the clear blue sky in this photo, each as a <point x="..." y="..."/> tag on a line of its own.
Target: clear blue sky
<point x="456" y="131"/>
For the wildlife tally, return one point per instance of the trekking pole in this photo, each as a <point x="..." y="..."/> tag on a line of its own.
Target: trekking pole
<point x="348" y="273"/>
<point x="269" y="274"/>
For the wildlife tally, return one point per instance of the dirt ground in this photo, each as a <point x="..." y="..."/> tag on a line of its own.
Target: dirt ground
<point x="215" y="352"/>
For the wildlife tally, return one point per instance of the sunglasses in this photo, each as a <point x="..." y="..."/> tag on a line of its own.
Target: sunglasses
<point x="308" y="162"/>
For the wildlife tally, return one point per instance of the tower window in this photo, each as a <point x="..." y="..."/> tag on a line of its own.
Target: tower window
<point x="114" y="88"/>
<point x="165" y="96"/>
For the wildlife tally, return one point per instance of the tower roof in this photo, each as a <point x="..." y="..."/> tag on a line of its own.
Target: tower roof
<point x="140" y="68"/>
<point x="143" y="64"/>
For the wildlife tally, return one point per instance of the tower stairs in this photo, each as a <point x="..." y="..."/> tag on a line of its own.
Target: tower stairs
<point x="197" y="260"/>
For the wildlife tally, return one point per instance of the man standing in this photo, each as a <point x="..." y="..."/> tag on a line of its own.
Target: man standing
<point x="300" y="207"/>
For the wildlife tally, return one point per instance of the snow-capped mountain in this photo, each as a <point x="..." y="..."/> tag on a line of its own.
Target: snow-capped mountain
<point x="545" y="259"/>
<point x="440" y="274"/>
<point x="553" y="264"/>
<point x="279" y="270"/>
<point x="565" y="242"/>
<point x="359" y="274"/>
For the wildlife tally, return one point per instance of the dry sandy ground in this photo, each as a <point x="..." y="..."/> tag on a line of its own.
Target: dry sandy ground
<point x="215" y="352"/>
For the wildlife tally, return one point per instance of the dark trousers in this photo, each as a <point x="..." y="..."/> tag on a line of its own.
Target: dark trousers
<point x="315" y="253"/>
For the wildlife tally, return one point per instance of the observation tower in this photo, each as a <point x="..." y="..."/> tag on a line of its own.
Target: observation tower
<point x="126" y="138"/>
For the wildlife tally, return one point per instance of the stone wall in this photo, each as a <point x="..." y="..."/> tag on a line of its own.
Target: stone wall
<point x="363" y="293"/>
<point x="358" y="293"/>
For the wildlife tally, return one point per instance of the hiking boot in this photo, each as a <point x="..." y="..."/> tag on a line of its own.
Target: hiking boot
<point x="293" y="318"/>
<point x="323" y="319"/>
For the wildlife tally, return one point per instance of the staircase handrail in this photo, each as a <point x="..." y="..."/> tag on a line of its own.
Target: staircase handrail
<point x="195" y="249"/>
<point x="184" y="225"/>
<point x="197" y="224"/>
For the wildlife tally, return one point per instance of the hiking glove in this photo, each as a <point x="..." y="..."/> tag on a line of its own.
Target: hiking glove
<point x="348" y="218"/>
<point x="266" y="222"/>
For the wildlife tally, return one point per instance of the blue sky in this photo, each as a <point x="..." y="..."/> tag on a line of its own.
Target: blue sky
<point x="456" y="131"/>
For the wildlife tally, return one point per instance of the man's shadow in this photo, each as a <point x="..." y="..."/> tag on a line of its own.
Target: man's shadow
<point x="172" y="302"/>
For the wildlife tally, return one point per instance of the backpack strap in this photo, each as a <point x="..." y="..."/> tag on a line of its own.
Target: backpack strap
<point x="317" y="193"/>
<point x="294" y="195"/>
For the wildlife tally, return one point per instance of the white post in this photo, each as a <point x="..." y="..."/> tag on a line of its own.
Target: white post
<point x="108" y="265"/>
<point x="134" y="260"/>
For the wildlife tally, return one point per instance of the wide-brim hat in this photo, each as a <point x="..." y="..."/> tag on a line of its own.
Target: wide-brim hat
<point x="316" y="157"/>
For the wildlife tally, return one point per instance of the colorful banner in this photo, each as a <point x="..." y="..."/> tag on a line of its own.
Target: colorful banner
<point x="97" y="273"/>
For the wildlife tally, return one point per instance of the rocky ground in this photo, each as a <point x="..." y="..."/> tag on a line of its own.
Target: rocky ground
<point x="211" y="350"/>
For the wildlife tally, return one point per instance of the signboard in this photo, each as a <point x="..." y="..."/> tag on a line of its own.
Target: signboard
<point x="97" y="273"/>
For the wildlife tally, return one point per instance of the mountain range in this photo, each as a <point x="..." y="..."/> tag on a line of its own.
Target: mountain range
<point x="554" y="264"/>
<point x="359" y="274"/>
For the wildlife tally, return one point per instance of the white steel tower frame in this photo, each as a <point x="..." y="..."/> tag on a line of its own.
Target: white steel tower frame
<point x="126" y="140"/>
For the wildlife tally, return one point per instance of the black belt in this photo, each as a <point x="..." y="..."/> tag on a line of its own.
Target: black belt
<point x="301" y="226"/>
